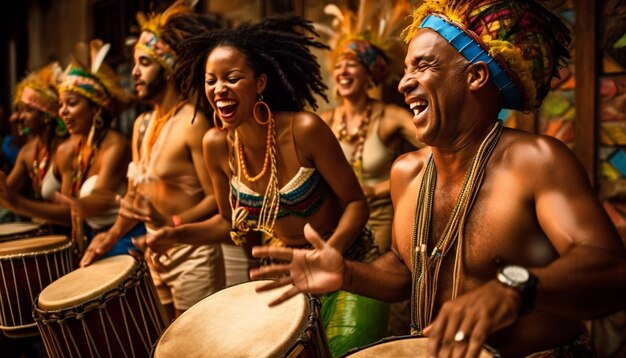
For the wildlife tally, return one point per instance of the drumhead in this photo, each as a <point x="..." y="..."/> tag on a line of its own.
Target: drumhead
<point x="236" y="321"/>
<point x="13" y="228"/>
<point x="33" y="244"/>
<point x="405" y="346"/>
<point x="86" y="283"/>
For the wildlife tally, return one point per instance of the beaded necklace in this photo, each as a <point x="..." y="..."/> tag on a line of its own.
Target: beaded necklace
<point x="356" y="159"/>
<point x="268" y="148"/>
<point x="271" y="199"/>
<point x="85" y="155"/>
<point x="39" y="168"/>
<point x="425" y="268"/>
<point x="159" y="122"/>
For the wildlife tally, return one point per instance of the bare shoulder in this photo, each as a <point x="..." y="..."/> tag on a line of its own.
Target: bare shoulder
<point x="215" y="141"/>
<point x="114" y="138"/>
<point x="304" y="122"/>
<point x="408" y="165"/>
<point x="541" y="159"/>
<point x="193" y="120"/>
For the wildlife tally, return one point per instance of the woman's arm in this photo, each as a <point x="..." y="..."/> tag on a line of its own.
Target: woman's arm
<point x="316" y="142"/>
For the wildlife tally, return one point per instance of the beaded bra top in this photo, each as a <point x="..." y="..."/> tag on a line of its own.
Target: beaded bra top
<point x="301" y="196"/>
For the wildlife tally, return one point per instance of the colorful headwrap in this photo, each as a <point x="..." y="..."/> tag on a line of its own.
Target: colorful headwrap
<point x="151" y="39"/>
<point x="38" y="90"/>
<point x="372" y="36"/>
<point x="90" y="77"/>
<point x="522" y="43"/>
<point x="368" y="55"/>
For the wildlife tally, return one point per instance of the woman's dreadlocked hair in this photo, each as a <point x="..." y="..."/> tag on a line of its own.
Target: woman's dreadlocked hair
<point x="277" y="47"/>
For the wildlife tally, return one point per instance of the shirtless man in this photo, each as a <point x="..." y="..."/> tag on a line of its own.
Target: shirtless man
<point x="169" y="183"/>
<point x="537" y="253"/>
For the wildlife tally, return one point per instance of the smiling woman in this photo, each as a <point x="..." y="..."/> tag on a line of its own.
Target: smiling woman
<point x="274" y="166"/>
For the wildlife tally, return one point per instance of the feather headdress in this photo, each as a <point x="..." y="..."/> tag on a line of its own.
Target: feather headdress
<point x="522" y="42"/>
<point x="372" y="35"/>
<point x="89" y="76"/>
<point x="38" y="89"/>
<point x="151" y="39"/>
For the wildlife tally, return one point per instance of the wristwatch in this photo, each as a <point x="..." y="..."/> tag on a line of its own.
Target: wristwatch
<point x="520" y="279"/>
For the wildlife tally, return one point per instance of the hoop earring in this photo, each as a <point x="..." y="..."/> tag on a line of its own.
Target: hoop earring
<point x="267" y="108"/>
<point x="216" y="122"/>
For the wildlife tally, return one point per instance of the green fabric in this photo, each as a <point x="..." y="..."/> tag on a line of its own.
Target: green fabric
<point x="352" y="321"/>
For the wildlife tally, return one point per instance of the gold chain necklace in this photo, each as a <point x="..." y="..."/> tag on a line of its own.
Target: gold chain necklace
<point x="425" y="268"/>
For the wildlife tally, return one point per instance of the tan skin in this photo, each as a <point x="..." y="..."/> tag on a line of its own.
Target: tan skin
<point x="535" y="209"/>
<point x="41" y="134"/>
<point x="229" y="79"/>
<point x="395" y="127"/>
<point x="157" y="202"/>
<point x="77" y="112"/>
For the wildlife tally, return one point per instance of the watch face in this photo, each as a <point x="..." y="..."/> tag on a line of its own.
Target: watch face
<point x="516" y="273"/>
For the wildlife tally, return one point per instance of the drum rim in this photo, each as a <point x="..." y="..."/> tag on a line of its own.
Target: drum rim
<point x="313" y="302"/>
<point x="52" y="315"/>
<point x="62" y="246"/>
<point x="34" y="227"/>
<point x="492" y="351"/>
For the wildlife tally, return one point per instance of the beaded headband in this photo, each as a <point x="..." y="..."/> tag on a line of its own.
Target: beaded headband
<point x="474" y="52"/>
<point x="371" y="36"/>
<point x="522" y="43"/>
<point x="158" y="49"/>
<point x="152" y="26"/>
<point x="368" y="55"/>
<point x="84" y="83"/>
<point x="38" y="90"/>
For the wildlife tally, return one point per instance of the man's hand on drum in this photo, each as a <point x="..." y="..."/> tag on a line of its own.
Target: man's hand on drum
<point x="136" y="206"/>
<point x="100" y="244"/>
<point x="162" y="240"/>
<point x="7" y="197"/>
<point x="151" y="257"/>
<point x="463" y="324"/>
<point x="314" y="271"/>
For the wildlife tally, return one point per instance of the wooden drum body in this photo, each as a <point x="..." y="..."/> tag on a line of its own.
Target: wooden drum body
<point x="107" y="309"/>
<point x="20" y="230"/>
<point x="237" y="322"/>
<point x="400" y="347"/>
<point x="27" y="266"/>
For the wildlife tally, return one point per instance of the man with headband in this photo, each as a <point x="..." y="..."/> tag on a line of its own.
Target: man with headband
<point x="498" y="237"/>
<point x="168" y="181"/>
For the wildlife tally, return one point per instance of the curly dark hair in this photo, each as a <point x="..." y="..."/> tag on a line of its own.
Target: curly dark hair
<point x="277" y="47"/>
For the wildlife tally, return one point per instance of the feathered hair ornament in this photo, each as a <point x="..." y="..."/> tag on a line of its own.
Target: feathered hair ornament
<point x="151" y="39"/>
<point x="90" y="77"/>
<point x="523" y="44"/>
<point x="38" y="90"/>
<point x="372" y="36"/>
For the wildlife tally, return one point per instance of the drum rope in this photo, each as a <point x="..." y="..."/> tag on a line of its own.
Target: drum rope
<point x="91" y="343"/>
<point x="143" y="339"/>
<point x="30" y="289"/>
<point x="6" y="289"/>
<point x="144" y="304"/>
<point x="117" y="337"/>
<point x="17" y="294"/>
<point x="67" y="333"/>
<point x="106" y="335"/>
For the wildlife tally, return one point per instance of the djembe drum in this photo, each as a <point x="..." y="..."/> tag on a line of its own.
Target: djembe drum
<point x="27" y="266"/>
<point x="401" y="347"/>
<point x="109" y="308"/>
<point x="237" y="322"/>
<point x="20" y="230"/>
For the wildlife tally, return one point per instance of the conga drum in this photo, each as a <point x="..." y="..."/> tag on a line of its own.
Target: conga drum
<point x="109" y="308"/>
<point x="27" y="266"/>
<point x="402" y="347"/>
<point x="20" y="230"/>
<point x="237" y="322"/>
